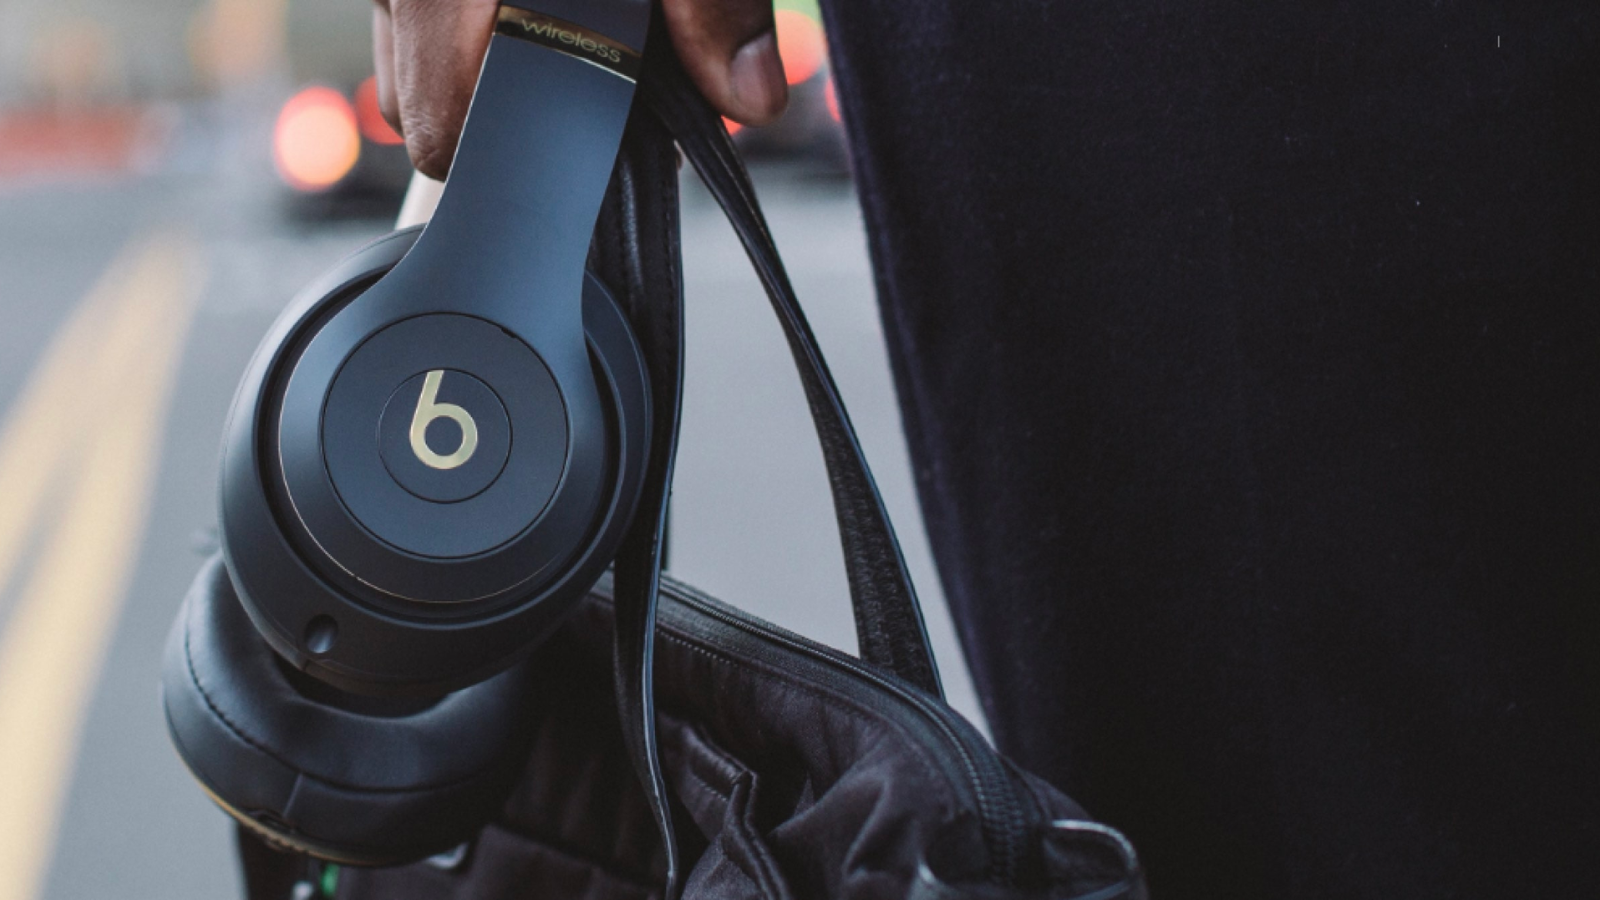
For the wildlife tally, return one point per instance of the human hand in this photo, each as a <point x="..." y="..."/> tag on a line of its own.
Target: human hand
<point x="427" y="54"/>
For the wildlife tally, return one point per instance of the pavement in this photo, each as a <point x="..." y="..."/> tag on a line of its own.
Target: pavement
<point x="129" y="304"/>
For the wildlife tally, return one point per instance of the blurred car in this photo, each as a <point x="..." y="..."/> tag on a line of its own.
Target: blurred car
<point x="334" y="153"/>
<point x="809" y="131"/>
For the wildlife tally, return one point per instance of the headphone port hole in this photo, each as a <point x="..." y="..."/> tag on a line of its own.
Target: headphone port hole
<point x="321" y="632"/>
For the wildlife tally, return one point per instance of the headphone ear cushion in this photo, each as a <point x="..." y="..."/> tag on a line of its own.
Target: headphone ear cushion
<point x="351" y="779"/>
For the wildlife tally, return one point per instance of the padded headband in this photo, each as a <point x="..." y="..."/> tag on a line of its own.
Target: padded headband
<point x="538" y="147"/>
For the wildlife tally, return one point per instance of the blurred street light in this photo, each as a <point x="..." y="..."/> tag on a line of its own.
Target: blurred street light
<point x="316" y="141"/>
<point x="801" y="44"/>
<point x="75" y="63"/>
<point x="236" y="42"/>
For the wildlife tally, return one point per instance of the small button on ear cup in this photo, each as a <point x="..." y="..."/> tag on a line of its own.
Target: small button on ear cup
<point x="353" y="779"/>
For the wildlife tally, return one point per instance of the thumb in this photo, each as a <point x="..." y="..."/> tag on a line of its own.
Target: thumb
<point x="730" y="50"/>
<point x="438" y="47"/>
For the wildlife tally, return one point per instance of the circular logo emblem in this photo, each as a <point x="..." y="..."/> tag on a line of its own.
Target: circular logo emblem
<point x="444" y="435"/>
<point x="429" y="409"/>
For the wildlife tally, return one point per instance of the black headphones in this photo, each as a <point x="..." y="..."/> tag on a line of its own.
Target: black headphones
<point x="432" y="457"/>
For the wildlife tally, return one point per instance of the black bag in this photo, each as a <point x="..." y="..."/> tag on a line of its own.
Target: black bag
<point x="785" y="769"/>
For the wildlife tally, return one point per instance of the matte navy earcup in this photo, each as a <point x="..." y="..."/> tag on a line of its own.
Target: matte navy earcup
<point x="352" y="779"/>
<point x="335" y="581"/>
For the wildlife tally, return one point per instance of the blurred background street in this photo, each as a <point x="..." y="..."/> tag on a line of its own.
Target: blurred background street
<point x="171" y="172"/>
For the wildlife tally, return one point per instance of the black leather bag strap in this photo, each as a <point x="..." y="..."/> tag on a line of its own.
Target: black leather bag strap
<point x="636" y="250"/>
<point x="888" y="617"/>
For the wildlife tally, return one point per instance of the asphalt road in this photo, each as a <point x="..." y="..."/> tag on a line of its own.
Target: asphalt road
<point x="128" y="306"/>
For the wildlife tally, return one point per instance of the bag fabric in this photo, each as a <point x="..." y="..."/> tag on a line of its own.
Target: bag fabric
<point x="680" y="747"/>
<point x="798" y="773"/>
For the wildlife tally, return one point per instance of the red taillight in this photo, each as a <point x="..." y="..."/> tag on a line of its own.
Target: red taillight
<point x="830" y="95"/>
<point x="732" y="126"/>
<point x="801" y="44"/>
<point x="316" y="141"/>
<point x="370" y="116"/>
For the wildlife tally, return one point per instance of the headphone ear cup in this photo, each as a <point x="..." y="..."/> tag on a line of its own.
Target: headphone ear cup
<point x="288" y="573"/>
<point x="351" y="779"/>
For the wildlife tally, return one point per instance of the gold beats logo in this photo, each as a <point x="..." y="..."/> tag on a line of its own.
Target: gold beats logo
<point x="428" y="409"/>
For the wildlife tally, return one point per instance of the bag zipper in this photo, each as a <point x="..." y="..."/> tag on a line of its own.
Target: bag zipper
<point x="1004" y="822"/>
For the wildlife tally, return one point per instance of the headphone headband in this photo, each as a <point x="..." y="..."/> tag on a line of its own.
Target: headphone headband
<point x="570" y="38"/>
<point x="537" y="149"/>
<point x="620" y="21"/>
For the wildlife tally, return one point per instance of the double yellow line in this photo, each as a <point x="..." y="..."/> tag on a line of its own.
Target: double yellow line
<point x="85" y="432"/>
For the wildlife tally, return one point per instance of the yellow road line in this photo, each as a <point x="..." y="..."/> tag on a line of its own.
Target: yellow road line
<point x="40" y="427"/>
<point x="54" y="642"/>
<point x="42" y="436"/>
